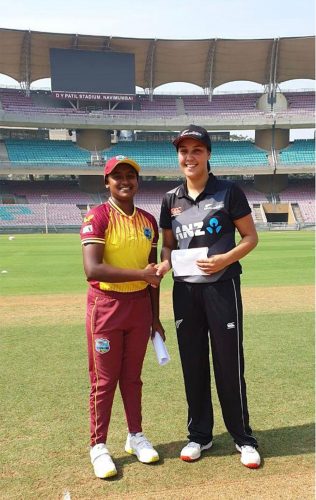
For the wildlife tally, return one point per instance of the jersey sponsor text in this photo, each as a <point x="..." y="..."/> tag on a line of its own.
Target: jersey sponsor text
<point x="189" y="230"/>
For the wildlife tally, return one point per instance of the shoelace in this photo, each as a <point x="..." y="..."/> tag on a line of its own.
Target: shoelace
<point x="247" y="448"/>
<point x="143" y="442"/>
<point x="192" y="444"/>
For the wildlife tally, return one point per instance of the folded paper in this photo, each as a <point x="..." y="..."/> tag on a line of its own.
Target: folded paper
<point x="160" y="349"/>
<point x="184" y="261"/>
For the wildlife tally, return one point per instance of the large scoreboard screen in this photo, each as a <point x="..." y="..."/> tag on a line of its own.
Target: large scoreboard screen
<point x="85" y="74"/>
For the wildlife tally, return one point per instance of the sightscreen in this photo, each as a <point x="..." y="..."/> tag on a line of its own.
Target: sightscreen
<point x="84" y="73"/>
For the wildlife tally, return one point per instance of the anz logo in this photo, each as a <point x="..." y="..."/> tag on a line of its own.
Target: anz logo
<point x="214" y="226"/>
<point x="196" y="229"/>
<point x="189" y="230"/>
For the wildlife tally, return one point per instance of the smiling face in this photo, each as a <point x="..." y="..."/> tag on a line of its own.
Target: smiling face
<point x="193" y="157"/>
<point x="123" y="183"/>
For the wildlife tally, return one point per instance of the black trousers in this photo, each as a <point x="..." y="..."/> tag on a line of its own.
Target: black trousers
<point x="211" y="314"/>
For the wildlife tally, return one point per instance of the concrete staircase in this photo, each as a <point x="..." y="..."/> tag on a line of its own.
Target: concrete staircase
<point x="257" y="213"/>
<point x="180" y="106"/>
<point x="297" y="213"/>
<point x="3" y="152"/>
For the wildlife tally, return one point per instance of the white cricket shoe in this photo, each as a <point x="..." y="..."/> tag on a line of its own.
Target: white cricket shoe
<point x="249" y="456"/>
<point x="102" y="462"/>
<point x="139" y="445"/>
<point x="192" y="451"/>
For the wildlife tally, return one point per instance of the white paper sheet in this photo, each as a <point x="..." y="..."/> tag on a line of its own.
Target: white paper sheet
<point x="160" y="349"/>
<point x="184" y="261"/>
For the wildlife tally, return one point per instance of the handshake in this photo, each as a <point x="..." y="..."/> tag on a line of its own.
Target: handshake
<point x="153" y="273"/>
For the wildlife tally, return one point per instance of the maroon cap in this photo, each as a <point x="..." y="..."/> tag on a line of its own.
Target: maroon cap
<point x="117" y="160"/>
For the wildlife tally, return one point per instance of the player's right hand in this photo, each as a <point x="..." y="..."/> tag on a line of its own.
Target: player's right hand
<point x="162" y="268"/>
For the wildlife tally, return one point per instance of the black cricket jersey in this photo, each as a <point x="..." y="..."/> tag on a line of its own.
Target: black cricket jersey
<point x="207" y="221"/>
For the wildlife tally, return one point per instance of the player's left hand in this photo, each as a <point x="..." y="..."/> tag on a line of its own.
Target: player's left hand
<point x="213" y="264"/>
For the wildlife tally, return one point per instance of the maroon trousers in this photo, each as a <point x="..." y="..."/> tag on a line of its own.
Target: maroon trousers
<point x="118" y="329"/>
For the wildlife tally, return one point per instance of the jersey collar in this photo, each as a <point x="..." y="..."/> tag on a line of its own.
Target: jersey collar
<point x="210" y="187"/>
<point x="116" y="207"/>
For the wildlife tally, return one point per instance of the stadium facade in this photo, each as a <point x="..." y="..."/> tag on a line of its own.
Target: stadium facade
<point x="95" y="121"/>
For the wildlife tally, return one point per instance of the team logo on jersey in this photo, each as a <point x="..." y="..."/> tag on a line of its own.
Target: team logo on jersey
<point x="176" y="211"/>
<point x="88" y="218"/>
<point x="87" y="229"/>
<point x="214" y="206"/>
<point x="196" y="229"/>
<point x="178" y="323"/>
<point x="148" y="233"/>
<point x="214" y="226"/>
<point x="102" y="345"/>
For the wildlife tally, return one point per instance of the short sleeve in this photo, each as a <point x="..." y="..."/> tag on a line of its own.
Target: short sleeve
<point x="94" y="226"/>
<point x="238" y="203"/>
<point x="165" y="214"/>
<point x="156" y="231"/>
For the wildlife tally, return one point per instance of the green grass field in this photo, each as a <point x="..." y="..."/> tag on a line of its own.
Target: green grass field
<point x="44" y="428"/>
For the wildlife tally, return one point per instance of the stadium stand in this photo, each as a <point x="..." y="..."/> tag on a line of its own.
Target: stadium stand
<point x="34" y="155"/>
<point x="150" y="154"/>
<point x="303" y="102"/>
<point x="39" y="215"/>
<point x="153" y="154"/>
<point x="300" y="151"/>
<point x="39" y="151"/>
<point x="238" y="154"/>
<point x="23" y="202"/>
<point x="301" y="193"/>
<point x="159" y="106"/>
<point x="166" y="106"/>
<point x="56" y="191"/>
<point x="16" y="101"/>
<point x="26" y="195"/>
<point x="222" y="104"/>
<point x="28" y="199"/>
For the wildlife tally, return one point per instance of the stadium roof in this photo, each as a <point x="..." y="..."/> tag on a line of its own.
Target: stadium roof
<point x="207" y="63"/>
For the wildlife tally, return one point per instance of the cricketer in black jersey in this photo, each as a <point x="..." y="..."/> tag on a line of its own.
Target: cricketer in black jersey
<point x="206" y="221"/>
